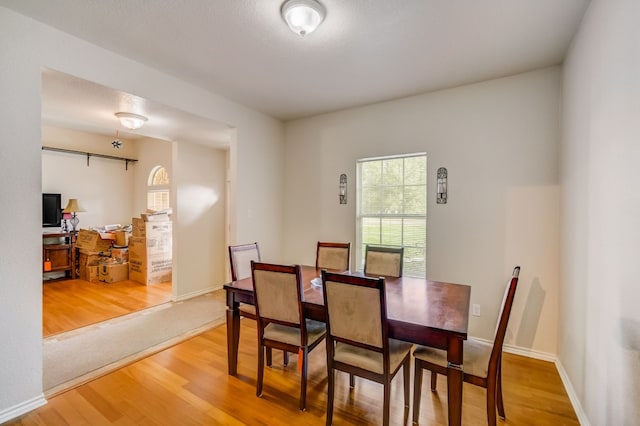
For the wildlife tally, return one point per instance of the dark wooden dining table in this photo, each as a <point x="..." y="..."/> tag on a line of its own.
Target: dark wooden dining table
<point x="419" y="310"/>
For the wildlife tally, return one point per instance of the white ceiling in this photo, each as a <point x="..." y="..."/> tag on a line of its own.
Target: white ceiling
<point x="365" y="51"/>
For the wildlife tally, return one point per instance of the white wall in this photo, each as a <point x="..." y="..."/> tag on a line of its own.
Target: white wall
<point x="27" y="47"/>
<point x="104" y="188"/>
<point x="498" y="140"/>
<point x="599" y="327"/>
<point x="199" y="219"/>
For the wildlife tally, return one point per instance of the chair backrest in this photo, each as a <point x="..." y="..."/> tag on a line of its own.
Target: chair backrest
<point x="240" y="257"/>
<point x="333" y="255"/>
<point x="277" y="291"/>
<point x="503" y="318"/>
<point x="356" y="310"/>
<point x="383" y="261"/>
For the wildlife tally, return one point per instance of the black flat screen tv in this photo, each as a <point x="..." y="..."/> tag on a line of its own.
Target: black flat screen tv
<point x="51" y="210"/>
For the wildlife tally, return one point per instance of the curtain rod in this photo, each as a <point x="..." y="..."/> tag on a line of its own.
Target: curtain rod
<point x="91" y="154"/>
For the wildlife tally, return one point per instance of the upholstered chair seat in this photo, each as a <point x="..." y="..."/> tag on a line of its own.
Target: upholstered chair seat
<point x="475" y="357"/>
<point x="371" y="360"/>
<point x="291" y="335"/>
<point x="247" y="310"/>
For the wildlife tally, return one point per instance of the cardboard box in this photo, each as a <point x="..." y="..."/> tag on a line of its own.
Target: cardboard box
<point x="88" y="264"/>
<point x="138" y="227"/>
<point x="120" y="254"/>
<point x="109" y="235"/>
<point x="113" y="272"/>
<point x="92" y="241"/>
<point x="150" y="257"/>
<point x="90" y="273"/>
<point x="122" y="238"/>
<point x="90" y="258"/>
<point x="150" y="271"/>
<point x="155" y="217"/>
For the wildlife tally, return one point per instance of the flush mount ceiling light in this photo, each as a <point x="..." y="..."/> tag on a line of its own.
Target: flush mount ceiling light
<point x="303" y="16"/>
<point x="130" y="120"/>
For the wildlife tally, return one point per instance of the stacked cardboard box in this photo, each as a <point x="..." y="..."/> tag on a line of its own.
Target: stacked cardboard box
<point x="92" y="241"/>
<point x="150" y="256"/>
<point x="88" y="264"/>
<point x="111" y="272"/>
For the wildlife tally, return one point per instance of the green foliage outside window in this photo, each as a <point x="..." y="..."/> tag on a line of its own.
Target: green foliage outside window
<point x="392" y="207"/>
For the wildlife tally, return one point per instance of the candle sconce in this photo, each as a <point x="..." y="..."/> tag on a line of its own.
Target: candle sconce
<point x="442" y="186"/>
<point x="343" y="189"/>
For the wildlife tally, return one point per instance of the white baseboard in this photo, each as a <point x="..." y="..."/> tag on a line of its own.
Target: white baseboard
<point x="518" y="350"/>
<point x="530" y="353"/>
<point x="196" y="294"/>
<point x="573" y="397"/>
<point x="22" y="408"/>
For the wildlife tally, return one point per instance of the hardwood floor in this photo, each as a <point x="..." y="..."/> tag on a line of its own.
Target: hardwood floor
<point x="71" y="304"/>
<point x="188" y="384"/>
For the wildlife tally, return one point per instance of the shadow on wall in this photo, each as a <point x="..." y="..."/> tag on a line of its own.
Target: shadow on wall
<point x="629" y="339"/>
<point x="531" y="315"/>
<point x="629" y="334"/>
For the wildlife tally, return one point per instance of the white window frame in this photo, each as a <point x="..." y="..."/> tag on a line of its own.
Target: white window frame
<point x="410" y="250"/>
<point x="154" y="189"/>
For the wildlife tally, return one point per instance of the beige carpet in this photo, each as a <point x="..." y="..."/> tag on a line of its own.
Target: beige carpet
<point x="78" y="356"/>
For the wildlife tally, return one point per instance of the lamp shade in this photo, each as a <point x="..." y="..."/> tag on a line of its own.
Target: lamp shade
<point x="73" y="207"/>
<point x="130" y="120"/>
<point x="303" y="16"/>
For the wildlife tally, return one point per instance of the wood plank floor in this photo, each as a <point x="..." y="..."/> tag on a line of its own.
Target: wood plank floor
<point x="71" y="304"/>
<point x="188" y="384"/>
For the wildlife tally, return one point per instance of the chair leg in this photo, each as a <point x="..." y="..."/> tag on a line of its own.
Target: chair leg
<point x="260" y="369"/>
<point x="499" y="392"/>
<point x="352" y="381"/>
<point x="434" y="381"/>
<point x="406" y="370"/>
<point x="285" y="358"/>
<point x="269" y="357"/>
<point x="387" y="399"/>
<point x="330" y="392"/>
<point x="417" y="390"/>
<point x="303" y="378"/>
<point x="491" y="402"/>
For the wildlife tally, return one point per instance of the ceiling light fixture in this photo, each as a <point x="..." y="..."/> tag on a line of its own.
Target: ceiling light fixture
<point x="130" y="120"/>
<point x="303" y="16"/>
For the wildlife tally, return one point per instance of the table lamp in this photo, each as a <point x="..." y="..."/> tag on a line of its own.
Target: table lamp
<point x="73" y="208"/>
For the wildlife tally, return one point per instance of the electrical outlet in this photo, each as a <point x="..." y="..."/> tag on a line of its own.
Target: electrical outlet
<point x="476" y="310"/>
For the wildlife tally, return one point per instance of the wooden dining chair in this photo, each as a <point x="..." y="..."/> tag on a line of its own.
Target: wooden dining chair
<point x="482" y="362"/>
<point x="240" y="257"/>
<point x="383" y="261"/>
<point x="333" y="255"/>
<point x="281" y="323"/>
<point x="357" y="336"/>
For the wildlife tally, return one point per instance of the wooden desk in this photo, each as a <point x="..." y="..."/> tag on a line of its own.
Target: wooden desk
<point x="418" y="310"/>
<point x="58" y="248"/>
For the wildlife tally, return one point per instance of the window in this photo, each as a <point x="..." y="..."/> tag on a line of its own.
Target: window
<point x="392" y="208"/>
<point x="158" y="192"/>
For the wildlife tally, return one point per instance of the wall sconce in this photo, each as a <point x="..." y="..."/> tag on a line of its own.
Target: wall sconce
<point x="343" y="189"/>
<point x="442" y="186"/>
